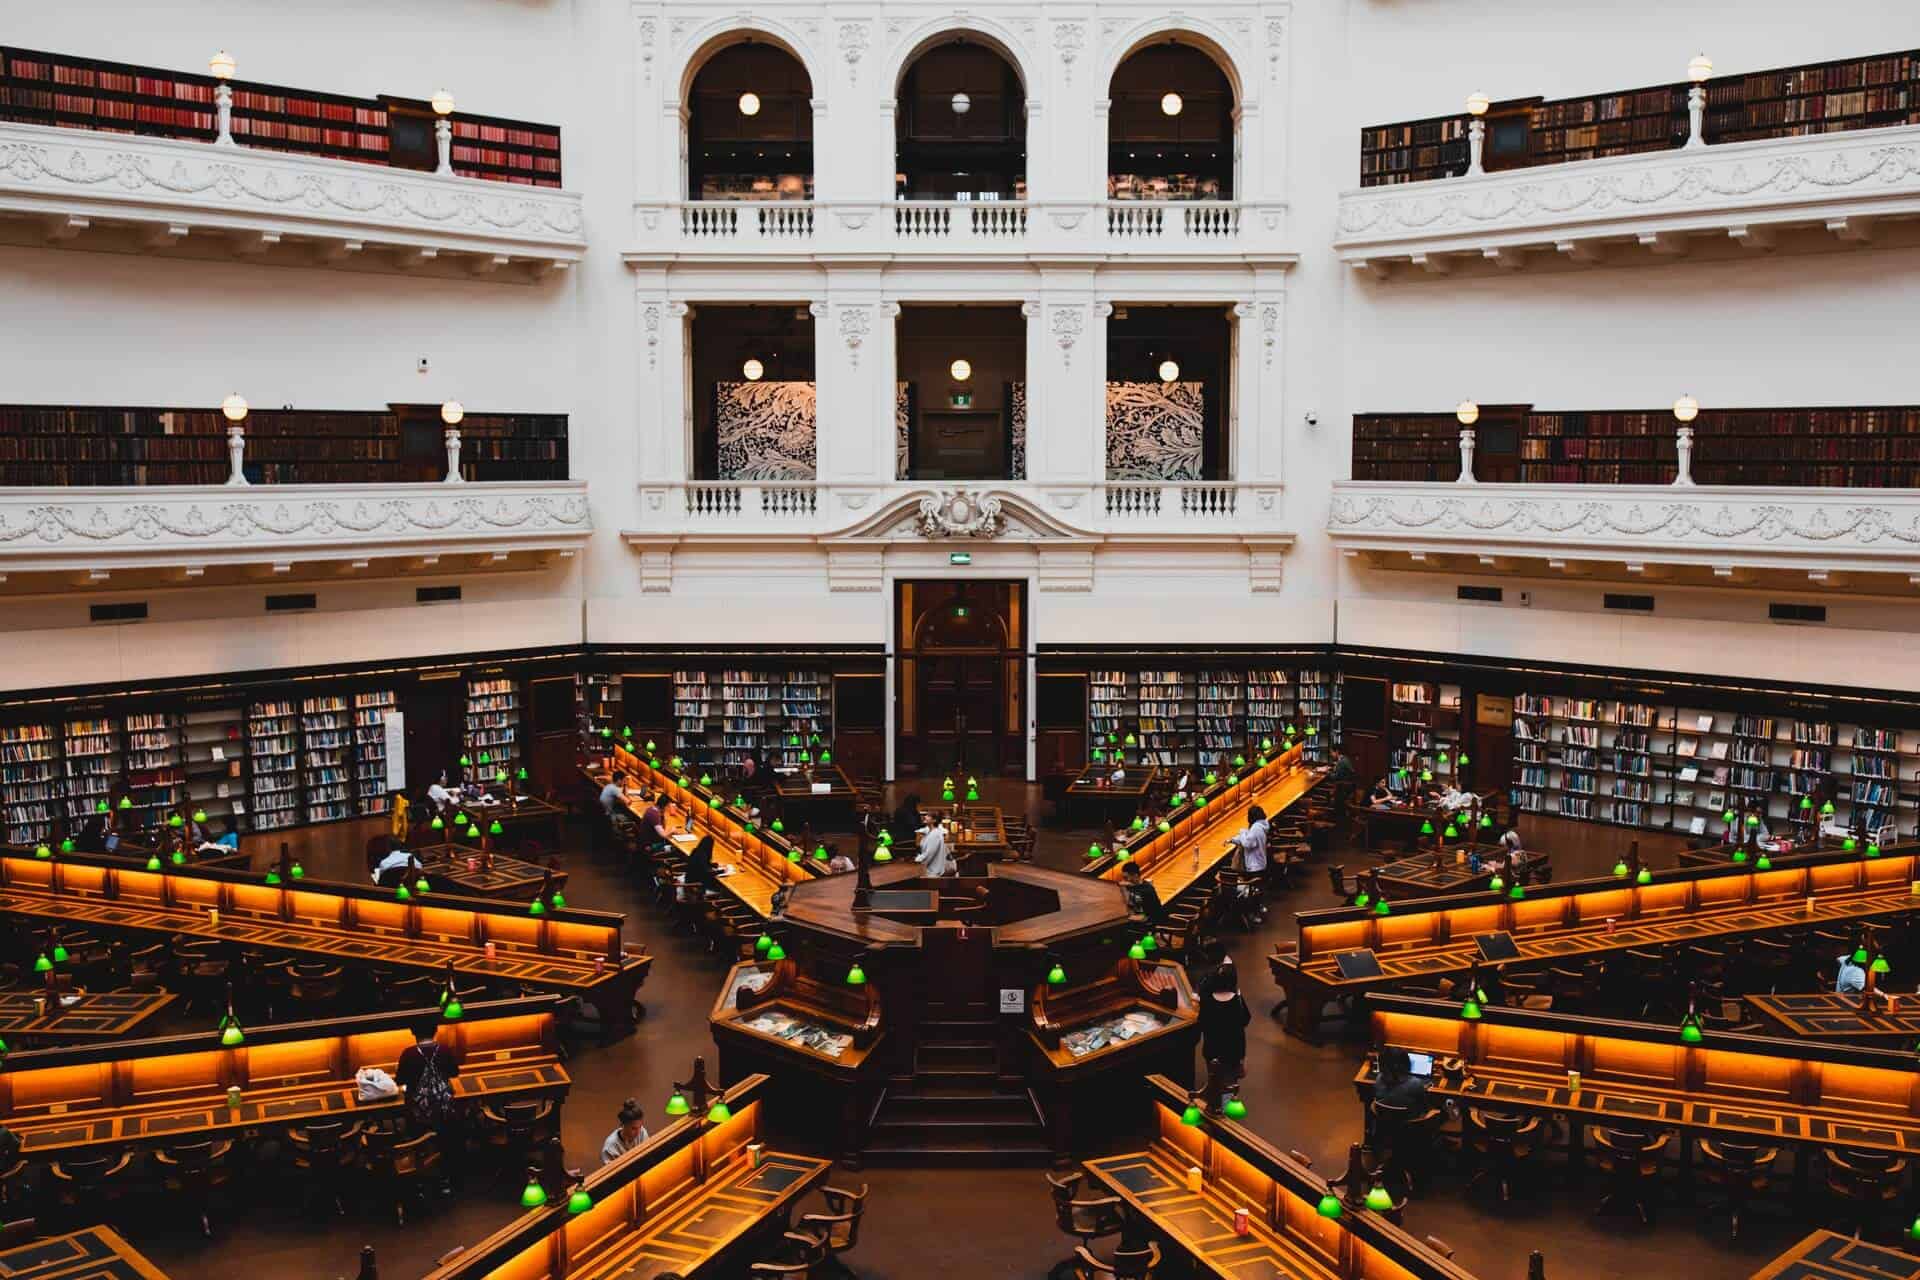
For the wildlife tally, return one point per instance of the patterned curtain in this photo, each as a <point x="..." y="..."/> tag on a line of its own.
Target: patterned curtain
<point x="1155" y="430"/>
<point x="766" y="430"/>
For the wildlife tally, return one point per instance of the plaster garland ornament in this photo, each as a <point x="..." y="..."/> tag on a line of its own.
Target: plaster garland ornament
<point x="960" y="513"/>
<point x="277" y="517"/>
<point x="853" y="43"/>
<point x="856" y="321"/>
<point x="647" y="29"/>
<point x="1276" y="43"/>
<point x="650" y="324"/>
<point x="1269" y="330"/>
<point x="1067" y="323"/>
<point x="1068" y="38"/>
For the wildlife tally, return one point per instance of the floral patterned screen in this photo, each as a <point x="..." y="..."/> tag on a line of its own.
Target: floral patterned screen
<point x="766" y="430"/>
<point x="1155" y="430"/>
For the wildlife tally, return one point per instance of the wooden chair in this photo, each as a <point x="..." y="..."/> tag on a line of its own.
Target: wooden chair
<point x="1084" y="1220"/>
<point x="1504" y="1143"/>
<point x="1407" y="1136"/>
<point x="325" y="1152"/>
<point x="401" y="1169"/>
<point x="1630" y="1158"/>
<point x="514" y="1129"/>
<point x="415" y="991"/>
<point x="1866" y="1183"/>
<point x="839" y="1227"/>
<point x="87" y="1188"/>
<point x="316" y="990"/>
<point x="192" y="1171"/>
<point x="1742" y="1168"/>
<point x="201" y="970"/>
<point x="1126" y="1264"/>
<point x="799" y="1257"/>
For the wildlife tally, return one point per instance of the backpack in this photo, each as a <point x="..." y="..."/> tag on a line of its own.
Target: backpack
<point x="430" y="1100"/>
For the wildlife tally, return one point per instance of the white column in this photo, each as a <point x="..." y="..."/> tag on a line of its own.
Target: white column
<point x="1476" y="144"/>
<point x="443" y="144"/>
<point x="1066" y="382"/>
<point x="223" y="114"/>
<point x="663" y="437"/>
<point x="236" y="454"/>
<point x="854" y="371"/>
<point x="1697" y="116"/>
<point x="1683" y="446"/>
<point x="1259" y="420"/>
<point x="1466" y="456"/>
<point x="453" y="475"/>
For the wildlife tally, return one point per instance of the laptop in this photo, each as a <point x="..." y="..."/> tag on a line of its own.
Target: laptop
<point x="1420" y="1064"/>
<point x="1497" y="946"/>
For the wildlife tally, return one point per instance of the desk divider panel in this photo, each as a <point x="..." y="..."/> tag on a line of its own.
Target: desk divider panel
<point x="1640" y="1064"/>
<point x="1843" y="1086"/>
<point x="1522" y="1048"/>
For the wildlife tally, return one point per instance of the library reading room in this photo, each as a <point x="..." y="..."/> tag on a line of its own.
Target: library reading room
<point x="1304" y="666"/>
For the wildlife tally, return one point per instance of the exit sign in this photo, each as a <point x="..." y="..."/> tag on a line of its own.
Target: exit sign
<point x="959" y="557"/>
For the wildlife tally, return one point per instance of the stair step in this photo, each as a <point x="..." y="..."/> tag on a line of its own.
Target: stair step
<point x="955" y="1149"/>
<point x="998" y="1110"/>
<point x="968" y="1059"/>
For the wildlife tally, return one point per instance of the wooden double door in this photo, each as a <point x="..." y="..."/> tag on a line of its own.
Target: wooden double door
<point x="960" y="679"/>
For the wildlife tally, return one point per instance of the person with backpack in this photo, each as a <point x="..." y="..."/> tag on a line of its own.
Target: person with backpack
<point x="426" y="1071"/>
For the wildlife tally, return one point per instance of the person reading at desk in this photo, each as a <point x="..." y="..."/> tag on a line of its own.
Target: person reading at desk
<point x="935" y="855"/>
<point x="628" y="1134"/>
<point x="1143" y="900"/>
<point x="699" y="876"/>
<point x="1396" y="1085"/>
<point x="1850" y="979"/>
<point x="229" y="838"/>
<point x="398" y="867"/>
<point x="1381" y="797"/>
<point x="612" y="796"/>
<point x="1342" y="768"/>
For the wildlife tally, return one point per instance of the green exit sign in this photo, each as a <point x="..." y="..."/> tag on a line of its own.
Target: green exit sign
<point x="959" y="557"/>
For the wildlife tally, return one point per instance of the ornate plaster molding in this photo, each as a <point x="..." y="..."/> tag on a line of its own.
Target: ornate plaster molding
<point x="961" y="513"/>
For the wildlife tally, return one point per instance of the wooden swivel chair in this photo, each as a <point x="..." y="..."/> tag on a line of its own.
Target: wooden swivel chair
<point x="87" y="1189"/>
<point x="1085" y="1220"/>
<point x="1630" y="1158"/>
<point x="325" y="1152"/>
<point x="1742" y="1168"/>
<point x="839" y="1227"/>
<point x="1126" y="1264"/>
<point x="1864" y="1184"/>
<point x="401" y="1169"/>
<point x="1504" y="1143"/>
<point x="191" y="1172"/>
<point x="801" y="1256"/>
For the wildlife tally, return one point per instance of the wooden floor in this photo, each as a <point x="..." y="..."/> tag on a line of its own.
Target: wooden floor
<point x="1300" y="1097"/>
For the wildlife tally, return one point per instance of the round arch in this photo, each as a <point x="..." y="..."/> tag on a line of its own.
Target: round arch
<point x="981" y="30"/>
<point x="735" y="163"/>
<point x="1201" y="35"/>
<point x="711" y="38"/>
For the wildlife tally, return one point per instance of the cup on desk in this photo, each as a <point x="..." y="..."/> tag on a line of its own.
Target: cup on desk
<point x="492" y="951"/>
<point x="39" y="1006"/>
<point x="1242" y="1221"/>
<point x="1194" y="1178"/>
<point x="1612" y="924"/>
<point x="1573" y="1082"/>
<point x="233" y="1097"/>
<point x="599" y="965"/>
<point x="213" y="917"/>
<point x="756" y="1153"/>
<point x="1810" y="903"/>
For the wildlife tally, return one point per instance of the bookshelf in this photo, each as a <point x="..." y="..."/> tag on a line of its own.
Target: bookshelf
<point x="1165" y="718"/>
<point x="1829" y="97"/>
<point x="1411" y="715"/>
<point x="597" y="706"/>
<point x="1271" y="705"/>
<point x="690" y="702"/>
<point x="1413" y="151"/>
<point x="1873" y="776"/>
<point x="90" y="761"/>
<point x="1599" y="448"/>
<point x="803" y="712"/>
<point x="326" y="760"/>
<point x="1110" y="709"/>
<point x="87" y="93"/>
<point x="273" y="759"/>
<point x="370" y="792"/>
<point x="1319" y="706"/>
<point x="214" y="755"/>
<point x="155" y="772"/>
<point x="1608" y="124"/>
<point x="1406" y="446"/>
<point x="1626" y="763"/>
<point x="72" y="445"/>
<point x="27" y="767"/>
<point x="493" y="727"/>
<point x="1219" y="725"/>
<point x="746" y="697"/>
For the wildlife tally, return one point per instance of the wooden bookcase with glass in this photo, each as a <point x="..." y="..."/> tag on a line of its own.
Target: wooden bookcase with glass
<point x="692" y="696"/>
<point x="493" y="727"/>
<point x="1220" y="728"/>
<point x="1166" y="720"/>
<point x="1111" y="710"/>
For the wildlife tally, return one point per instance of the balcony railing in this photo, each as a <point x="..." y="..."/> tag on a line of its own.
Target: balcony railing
<point x="1120" y="227"/>
<point x="1118" y="506"/>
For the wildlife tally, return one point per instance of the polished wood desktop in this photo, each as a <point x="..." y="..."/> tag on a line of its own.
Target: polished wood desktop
<point x="566" y="950"/>
<point x="1769" y="1090"/>
<point x="1828" y="1255"/>
<point x="1824" y="1015"/>
<point x="1285" y="1234"/>
<point x="799" y="786"/>
<point x="97" y="1253"/>
<point x="1433" y="938"/>
<point x="95" y="1015"/>
<point x="976" y="832"/>
<point x="174" y="1088"/>
<point x="1096" y="782"/>
<point x="1421" y="875"/>
<point x="483" y="873"/>
<point x="690" y="1200"/>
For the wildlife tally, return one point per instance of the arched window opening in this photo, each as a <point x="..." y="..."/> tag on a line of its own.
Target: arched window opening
<point x="1170" y="127"/>
<point x="960" y="127"/>
<point x="750" y="126"/>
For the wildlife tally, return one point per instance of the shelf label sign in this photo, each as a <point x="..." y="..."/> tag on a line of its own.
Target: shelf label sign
<point x="395" y="723"/>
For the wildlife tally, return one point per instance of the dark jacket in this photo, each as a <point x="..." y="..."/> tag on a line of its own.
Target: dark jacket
<point x="1223" y="1028"/>
<point x="1144" y="900"/>
<point x="1409" y="1091"/>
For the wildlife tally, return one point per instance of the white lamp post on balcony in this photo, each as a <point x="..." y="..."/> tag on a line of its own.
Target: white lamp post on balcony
<point x="234" y="409"/>
<point x="222" y="65"/>
<point x="1467" y="414"/>
<point x="1477" y="104"/>
<point x="443" y="129"/>
<point x="1685" y="410"/>
<point x="450" y="413"/>
<point x="1698" y="71"/>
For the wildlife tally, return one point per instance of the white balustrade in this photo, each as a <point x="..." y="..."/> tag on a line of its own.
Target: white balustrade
<point x="709" y="220"/>
<point x="1119" y="506"/>
<point x="708" y="499"/>
<point x="787" y="221"/>
<point x="916" y="220"/>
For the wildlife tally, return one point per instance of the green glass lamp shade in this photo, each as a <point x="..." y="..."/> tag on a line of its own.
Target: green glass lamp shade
<point x="814" y="739"/>
<point x="1176" y="801"/>
<point x="1645" y="877"/>
<point x="273" y="877"/>
<point x="883" y="854"/>
<point x="1362" y="898"/>
<point x="1149" y="943"/>
<point x="500" y="776"/>
<point x="401" y="893"/>
<point x="1873" y="848"/>
<point x="494" y="828"/>
<point x="1192" y="1115"/>
<point x="1056" y="976"/>
<point x="1199" y="802"/>
<point x="438" y="823"/>
<point x="1826" y="809"/>
<point x="677" y="1104"/>
<point x="1266" y="744"/>
<point x="674" y="763"/>
<point x="947" y="794"/>
<point x="558" y="899"/>
<point x="179" y="858"/>
<point x="1380" y="907"/>
<point x="453" y="1010"/>
<point x="1497" y="883"/>
<point x="776" y="952"/>
<point x="1849" y="844"/>
<point x="1313" y="731"/>
<point x="579" y="1202"/>
<point x="1859" y="955"/>
<point x="1470" y="1009"/>
<point x="886" y="839"/>
<point x="421" y="885"/>
<point x="947" y="783"/>
<point x="66" y="845"/>
<point x="826" y="757"/>
<point x="627" y="733"/>
<point x="1212" y="777"/>
<point x="485" y="758"/>
<point x="1239" y="762"/>
<point x="1753" y="819"/>
<point x="1620" y="869"/>
<point x="763" y="943"/>
<point x="1452" y="832"/>
<point x="718" y="1113"/>
<point x="1690" y="1032"/>
<point x="1486" y="820"/>
<point x="781" y="826"/>
<point x="473" y="831"/>
<point x="1426" y="827"/>
<point x="820" y="852"/>
<point x="1093" y="850"/>
<point x="973" y="793"/>
<point x="1235" y="1109"/>
<point x="1136" y="952"/>
<point x="1426" y="775"/>
<point x="793" y="739"/>
<point x="1727" y="816"/>
<point x="1139" y="823"/>
<point x="1739" y="855"/>
<point x="1461" y="758"/>
<point x="1165" y="825"/>
<point x="1233" y="779"/>
<point x="793" y="855"/>
<point x="856" y="977"/>
<point x="41" y="851"/>
<point x="1880" y="965"/>
<point x="126" y="802"/>
<point x="1329" y="1206"/>
<point x="806" y="757"/>
<point x="41" y="964"/>
<point x="1913" y="1232"/>
<point x="536" y="908"/>
<point x="1806" y="802"/>
<point x="60" y="953"/>
<point x="1130" y="741"/>
<point x="1763" y="863"/>
<point x="1518" y="892"/>
<point x="1378" y="1200"/>
<point x="706" y="779"/>
<point x="605" y="733"/>
<point x="1098" y="755"/>
<point x="534" y="1196"/>
<point x="1441" y="758"/>
<point x="153" y="864"/>
<point x="230" y="1033"/>
<point x="102" y="806"/>
<point x="714" y="802"/>
<point x="199" y="815"/>
<point x="521" y="774"/>
<point x="466" y="761"/>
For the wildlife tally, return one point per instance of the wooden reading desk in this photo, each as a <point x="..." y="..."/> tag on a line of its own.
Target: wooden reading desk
<point x="1828" y="1255"/>
<point x="1093" y="787"/>
<point x="1286" y="1236"/>
<point x="1178" y="859"/>
<point x="564" y="950"/>
<point x="690" y="1200"/>
<point x="520" y="816"/>
<point x="96" y="1015"/>
<point x="480" y="873"/>
<point x="797" y="794"/>
<point x="1582" y="919"/>
<point x="174" y="1088"/>
<point x="1772" y="1091"/>
<point x="1417" y="876"/>
<point x="1825" y="1016"/>
<point x="98" y="1253"/>
<point x="984" y="838"/>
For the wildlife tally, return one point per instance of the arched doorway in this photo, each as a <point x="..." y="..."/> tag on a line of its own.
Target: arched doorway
<point x="960" y="688"/>
<point x="960" y="125"/>
<point x="750" y="126"/>
<point x="1170" y="125"/>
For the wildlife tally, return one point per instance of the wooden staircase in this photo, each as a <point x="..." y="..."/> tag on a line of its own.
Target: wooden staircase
<point x="957" y="1106"/>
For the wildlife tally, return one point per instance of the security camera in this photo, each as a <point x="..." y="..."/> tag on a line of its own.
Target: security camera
<point x="1313" y="419"/>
